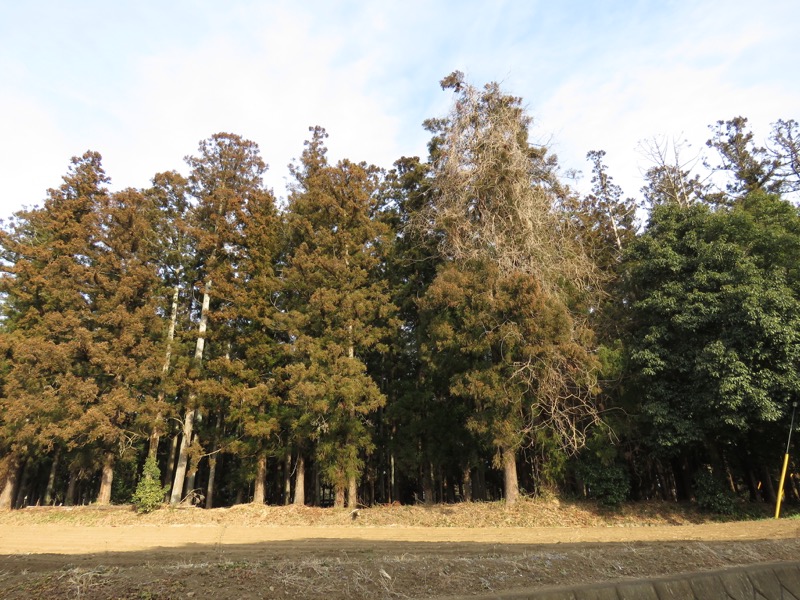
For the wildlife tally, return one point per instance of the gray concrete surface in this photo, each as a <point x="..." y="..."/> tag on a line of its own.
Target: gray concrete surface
<point x="773" y="581"/>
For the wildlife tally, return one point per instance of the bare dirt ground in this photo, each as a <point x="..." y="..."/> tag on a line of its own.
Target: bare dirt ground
<point x="384" y="552"/>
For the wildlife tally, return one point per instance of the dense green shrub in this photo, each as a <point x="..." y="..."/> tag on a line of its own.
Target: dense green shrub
<point x="149" y="494"/>
<point x="712" y="495"/>
<point x="608" y="484"/>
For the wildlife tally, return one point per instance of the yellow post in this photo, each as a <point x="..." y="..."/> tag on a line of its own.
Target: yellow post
<point x="785" y="464"/>
<point x="780" y="486"/>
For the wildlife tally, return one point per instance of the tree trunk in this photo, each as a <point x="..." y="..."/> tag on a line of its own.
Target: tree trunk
<point x="352" y="492"/>
<point x="51" y="479"/>
<point x="261" y="479"/>
<point x="173" y="450"/>
<point x="752" y="485"/>
<point x="300" y="480"/>
<point x="427" y="483"/>
<point x="467" y="483"/>
<point x="394" y="491"/>
<point x="287" y="477"/>
<point x="22" y="484"/>
<point x="370" y="501"/>
<point x="191" y="474"/>
<point x="69" y="499"/>
<point x="793" y="486"/>
<point x="183" y="456"/>
<point x="510" y="482"/>
<point x="212" y="463"/>
<point x="104" y="495"/>
<point x="155" y="434"/>
<point x="338" y="498"/>
<point x="12" y="468"/>
<point x="212" y="472"/>
<point x="191" y="414"/>
<point x="668" y="491"/>
<point x="317" y="485"/>
<point x="683" y="484"/>
<point x="479" y="483"/>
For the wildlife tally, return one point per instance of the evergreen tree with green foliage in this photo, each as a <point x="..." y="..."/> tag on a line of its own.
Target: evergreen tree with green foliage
<point x="79" y="321"/>
<point x="714" y="325"/>
<point x="149" y="494"/>
<point x="226" y="177"/>
<point x="338" y="308"/>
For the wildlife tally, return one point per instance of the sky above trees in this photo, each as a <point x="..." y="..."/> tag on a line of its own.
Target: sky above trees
<point x="143" y="82"/>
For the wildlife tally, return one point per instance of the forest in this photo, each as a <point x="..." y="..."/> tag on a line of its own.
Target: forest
<point x="467" y="327"/>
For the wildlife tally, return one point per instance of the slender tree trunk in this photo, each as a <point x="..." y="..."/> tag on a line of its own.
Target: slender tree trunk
<point x="173" y="450"/>
<point x="729" y="476"/>
<point x="8" y="494"/>
<point x="510" y="481"/>
<point x="300" y="480"/>
<point x="317" y="486"/>
<point x="191" y="414"/>
<point x="69" y="500"/>
<point x="212" y="463"/>
<point x="393" y="490"/>
<point x="191" y="473"/>
<point x="22" y="484"/>
<point x="683" y="485"/>
<point x="155" y="434"/>
<point x="352" y="481"/>
<point x="183" y="456"/>
<point x="287" y="477"/>
<point x="479" y="483"/>
<point x="793" y="486"/>
<point x="371" y="479"/>
<point x="352" y="492"/>
<point x="467" y="483"/>
<point x="667" y="490"/>
<point x="51" y="479"/>
<point x="427" y="483"/>
<point x="259" y="492"/>
<point x="212" y="472"/>
<point x="104" y="495"/>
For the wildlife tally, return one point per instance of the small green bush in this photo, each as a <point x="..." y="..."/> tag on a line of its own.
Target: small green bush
<point x="149" y="494"/>
<point x="712" y="495"/>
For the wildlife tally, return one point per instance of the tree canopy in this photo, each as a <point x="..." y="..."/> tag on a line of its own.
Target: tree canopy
<point x="464" y="326"/>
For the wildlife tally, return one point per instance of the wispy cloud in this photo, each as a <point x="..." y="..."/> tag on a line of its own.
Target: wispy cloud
<point x="144" y="83"/>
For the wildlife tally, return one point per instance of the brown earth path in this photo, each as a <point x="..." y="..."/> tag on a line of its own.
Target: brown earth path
<point x="354" y="559"/>
<point x="55" y="538"/>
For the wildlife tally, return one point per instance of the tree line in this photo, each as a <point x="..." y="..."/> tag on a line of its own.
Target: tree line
<point x="464" y="327"/>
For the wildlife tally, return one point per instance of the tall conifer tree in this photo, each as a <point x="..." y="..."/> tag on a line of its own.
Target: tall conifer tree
<point x="339" y="308"/>
<point x="496" y="211"/>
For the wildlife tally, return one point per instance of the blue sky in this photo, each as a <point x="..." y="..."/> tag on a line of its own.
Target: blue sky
<point x="142" y="82"/>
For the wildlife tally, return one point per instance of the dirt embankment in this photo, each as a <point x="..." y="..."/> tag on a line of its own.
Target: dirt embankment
<point x="413" y="552"/>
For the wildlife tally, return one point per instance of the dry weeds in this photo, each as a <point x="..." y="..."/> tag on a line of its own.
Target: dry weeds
<point x="352" y="568"/>
<point x="526" y="513"/>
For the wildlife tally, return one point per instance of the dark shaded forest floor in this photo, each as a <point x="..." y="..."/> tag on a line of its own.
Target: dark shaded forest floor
<point x="382" y="552"/>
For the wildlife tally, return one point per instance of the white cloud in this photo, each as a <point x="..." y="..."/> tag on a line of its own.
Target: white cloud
<point x="688" y="75"/>
<point x="144" y="86"/>
<point x="33" y="150"/>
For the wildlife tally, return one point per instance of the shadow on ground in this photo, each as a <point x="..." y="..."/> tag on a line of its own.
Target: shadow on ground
<point x="335" y="569"/>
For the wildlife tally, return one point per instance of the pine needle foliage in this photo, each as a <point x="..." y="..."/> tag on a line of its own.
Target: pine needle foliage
<point x="149" y="494"/>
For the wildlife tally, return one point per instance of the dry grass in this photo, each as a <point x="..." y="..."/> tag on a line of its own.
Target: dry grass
<point x="353" y="568"/>
<point x="526" y="513"/>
